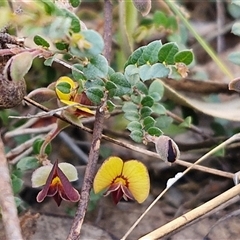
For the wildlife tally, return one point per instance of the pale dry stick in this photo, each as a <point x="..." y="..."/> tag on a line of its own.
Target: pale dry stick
<point x="20" y="156"/>
<point x="215" y="210"/>
<point x="193" y="214"/>
<point x="228" y="141"/>
<point x="7" y="202"/>
<point x="44" y="114"/>
<point x="18" y="132"/>
<point x="22" y="150"/>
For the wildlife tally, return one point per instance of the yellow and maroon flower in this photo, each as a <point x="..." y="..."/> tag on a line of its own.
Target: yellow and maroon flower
<point x="128" y="180"/>
<point x="56" y="181"/>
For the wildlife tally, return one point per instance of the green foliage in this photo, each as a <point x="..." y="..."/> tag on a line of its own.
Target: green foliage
<point x="235" y="56"/>
<point x="161" y="20"/>
<point x="38" y="144"/>
<point x="17" y="184"/>
<point x="75" y="3"/>
<point x="156" y="60"/>
<point x="41" y="41"/>
<point x="27" y="163"/>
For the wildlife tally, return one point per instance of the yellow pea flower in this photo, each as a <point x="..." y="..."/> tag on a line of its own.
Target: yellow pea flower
<point x="128" y="180"/>
<point x="67" y="92"/>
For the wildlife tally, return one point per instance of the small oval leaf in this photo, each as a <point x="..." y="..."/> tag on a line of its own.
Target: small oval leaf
<point x="41" y="41"/>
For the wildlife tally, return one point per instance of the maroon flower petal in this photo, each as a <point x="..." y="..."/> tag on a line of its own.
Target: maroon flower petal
<point x="114" y="187"/>
<point x="127" y="195"/>
<point x="74" y="197"/>
<point x="67" y="190"/>
<point x="45" y="191"/>
<point x="52" y="190"/>
<point x="117" y="195"/>
<point x="57" y="198"/>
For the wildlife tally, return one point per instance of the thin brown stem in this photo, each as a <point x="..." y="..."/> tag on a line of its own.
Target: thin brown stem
<point x="7" y="202"/>
<point x="88" y="177"/>
<point x="107" y="29"/>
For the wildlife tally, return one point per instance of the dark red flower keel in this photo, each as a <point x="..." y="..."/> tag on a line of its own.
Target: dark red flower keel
<point x="58" y="187"/>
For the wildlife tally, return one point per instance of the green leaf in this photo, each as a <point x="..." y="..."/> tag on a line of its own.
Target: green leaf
<point x="234" y="10"/>
<point x="172" y="23"/>
<point x="145" y="72"/>
<point x="77" y="75"/>
<point x="141" y="87"/>
<point x="18" y="201"/>
<point x="147" y="101"/>
<point x="75" y="3"/>
<point x="39" y="142"/>
<point x="50" y="7"/>
<point x="110" y="105"/>
<point x="154" y="131"/>
<point x="96" y="41"/>
<point x="110" y="71"/>
<point x="28" y="163"/>
<point x="135" y="56"/>
<point x="97" y="82"/>
<point x="136" y="98"/>
<point x="41" y="41"/>
<point x="58" y="28"/>
<point x="148" y="122"/>
<point x="134" y="125"/>
<point x="75" y="22"/>
<point x="48" y="62"/>
<point x="160" y="18"/>
<point x="112" y="88"/>
<point x="187" y="122"/>
<point x="185" y="56"/>
<point x="131" y="116"/>
<point x="220" y="153"/>
<point x="155" y="96"/>
<point x="123" y="86"/>
<point x="167" y="52"/>
<point x="61" y="45"/>
<point x="64" y="87"/>
<point x="150" y="53"/>
<point x="95" y="94"/>
<point x="163" y="122"/>
<point x="145" y="111"/>
<point x="17" y="184"/>
<point x="157" y="70"/>
<point x="237" y="2"/>
<point x="234" y="57"/>
<point x="236" y="28"/>
<point x="130" y="106"/>
<point x="137" y="136"/>
<point x="159" y="108"/>
<point x="96" y="68"/>
<point x="156" y="87"/>
<point x="132" y="74"/>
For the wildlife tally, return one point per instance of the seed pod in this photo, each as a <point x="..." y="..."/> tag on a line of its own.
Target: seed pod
<point x="165" y="147"/>
<point x="234" y="85"/>
<point x="143" y="6"/>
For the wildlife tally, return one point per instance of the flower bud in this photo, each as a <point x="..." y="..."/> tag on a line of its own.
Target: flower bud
<point x="165" y="147"/>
